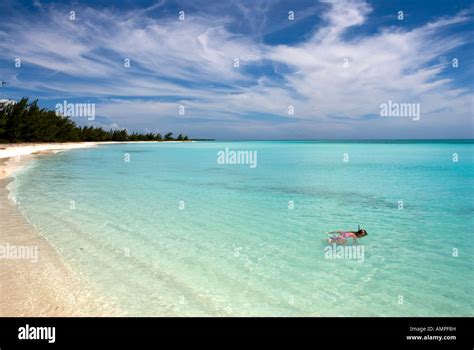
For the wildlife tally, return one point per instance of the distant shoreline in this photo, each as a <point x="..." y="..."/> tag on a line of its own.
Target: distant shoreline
<point x="353" y="140"/>
<point x="3" y="145"/>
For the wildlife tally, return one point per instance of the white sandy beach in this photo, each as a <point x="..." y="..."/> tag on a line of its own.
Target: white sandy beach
<point x="15" y="152"/>
<point x="45" y="286"/>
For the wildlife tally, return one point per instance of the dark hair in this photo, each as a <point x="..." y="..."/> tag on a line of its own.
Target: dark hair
<point x="361" y="233"/>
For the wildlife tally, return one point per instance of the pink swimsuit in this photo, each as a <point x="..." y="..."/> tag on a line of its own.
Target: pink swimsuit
<point x="342" y="235"/>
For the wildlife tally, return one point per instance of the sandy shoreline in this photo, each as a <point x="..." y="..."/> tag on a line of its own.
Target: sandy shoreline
<point x="18" y="153"/>
<point x="36" y="282"/>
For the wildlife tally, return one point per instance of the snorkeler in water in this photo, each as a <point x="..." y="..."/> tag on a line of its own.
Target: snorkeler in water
<point x="342" y="236"/>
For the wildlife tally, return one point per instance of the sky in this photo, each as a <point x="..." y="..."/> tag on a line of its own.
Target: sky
<point x="247" y="69"/>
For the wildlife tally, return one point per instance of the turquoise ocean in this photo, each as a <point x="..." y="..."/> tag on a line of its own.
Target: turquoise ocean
<point x="163" y="229"/>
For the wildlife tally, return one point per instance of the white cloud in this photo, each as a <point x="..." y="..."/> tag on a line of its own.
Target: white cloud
<point x="191" y="63"/>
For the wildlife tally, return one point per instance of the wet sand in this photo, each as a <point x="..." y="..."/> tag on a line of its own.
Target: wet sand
<point x="41" y="283"/>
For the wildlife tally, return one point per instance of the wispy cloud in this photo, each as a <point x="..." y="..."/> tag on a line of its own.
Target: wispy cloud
<point x="191" y="63"/>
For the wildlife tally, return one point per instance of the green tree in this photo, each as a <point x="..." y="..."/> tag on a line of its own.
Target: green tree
<point x="27" y="122"/>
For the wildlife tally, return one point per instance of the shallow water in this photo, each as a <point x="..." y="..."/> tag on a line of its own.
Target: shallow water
<point x="237" y="247"/>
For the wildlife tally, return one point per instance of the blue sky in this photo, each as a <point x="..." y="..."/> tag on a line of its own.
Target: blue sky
<point x="282" y="63"/>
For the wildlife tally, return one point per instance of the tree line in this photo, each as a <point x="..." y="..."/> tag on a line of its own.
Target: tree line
<point x="25" y="121"/>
